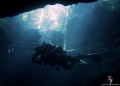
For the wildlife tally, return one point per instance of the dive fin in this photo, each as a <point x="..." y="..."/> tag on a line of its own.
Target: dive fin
<point x="95" y="57"/>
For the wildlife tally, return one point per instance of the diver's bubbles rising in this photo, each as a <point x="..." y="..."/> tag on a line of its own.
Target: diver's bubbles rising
<point x="46" y="36"/>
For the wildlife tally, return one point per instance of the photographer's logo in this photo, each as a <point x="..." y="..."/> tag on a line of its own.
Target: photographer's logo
<point x="110" y="79"/>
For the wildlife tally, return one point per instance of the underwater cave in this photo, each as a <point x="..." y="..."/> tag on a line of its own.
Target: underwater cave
<point x="80" y="29"/>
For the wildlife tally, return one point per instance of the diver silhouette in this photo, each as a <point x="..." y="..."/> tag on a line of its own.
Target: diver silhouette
<point x="56" y="56"/>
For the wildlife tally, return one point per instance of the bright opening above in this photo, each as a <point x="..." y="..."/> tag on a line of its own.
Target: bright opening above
<point x="51" y="17"/>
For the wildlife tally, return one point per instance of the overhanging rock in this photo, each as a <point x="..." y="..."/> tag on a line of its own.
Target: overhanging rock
<point x="10" y="8"/>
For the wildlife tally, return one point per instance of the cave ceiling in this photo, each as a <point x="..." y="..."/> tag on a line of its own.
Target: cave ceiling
<point x="9" y="8"/>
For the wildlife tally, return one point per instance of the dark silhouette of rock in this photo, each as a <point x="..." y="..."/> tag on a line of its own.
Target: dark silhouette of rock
<point x="15" y="7"/>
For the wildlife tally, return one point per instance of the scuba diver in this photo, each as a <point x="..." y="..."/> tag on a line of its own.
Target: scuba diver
<point x="55" y="55"/>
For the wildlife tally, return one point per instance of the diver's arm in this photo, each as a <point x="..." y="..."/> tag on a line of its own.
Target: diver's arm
<point x="37" y="53"/>
<point x="34" y="57"/>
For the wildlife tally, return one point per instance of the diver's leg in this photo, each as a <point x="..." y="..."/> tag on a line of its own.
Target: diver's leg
<point x="65" y="65"/>
<point x="81" y="56"/>
<point x="73" y="60"/>
<point x="66" y="58"/>
<point x="95" y="57"/>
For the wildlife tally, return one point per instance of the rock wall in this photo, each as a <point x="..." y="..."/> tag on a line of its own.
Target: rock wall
<point x="102" y="35"/>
